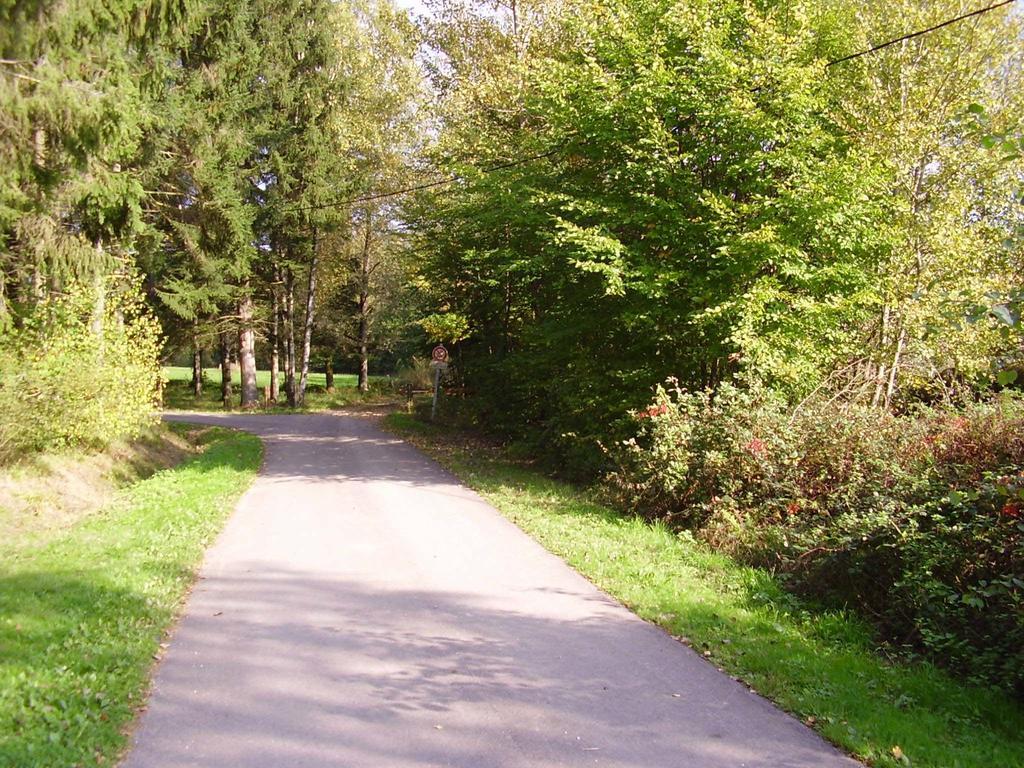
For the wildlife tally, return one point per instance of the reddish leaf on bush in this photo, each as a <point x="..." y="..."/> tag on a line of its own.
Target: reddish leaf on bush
<point x="756" y="447"/>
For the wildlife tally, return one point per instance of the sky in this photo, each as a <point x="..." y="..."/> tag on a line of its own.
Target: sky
<point x="416" y="6"/>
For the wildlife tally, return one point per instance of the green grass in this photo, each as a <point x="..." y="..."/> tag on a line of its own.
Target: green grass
<point x="44" y="492"/>
<point x="182" y="373"/>
<point x="178" y="391"/>
<point x="82" y="614"/>
<point x="822" y="667"/>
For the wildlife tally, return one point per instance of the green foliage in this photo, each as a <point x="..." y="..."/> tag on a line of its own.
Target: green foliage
<point x="708" y="201"/>
<point x="77" y="98"/>
<point x="74" y="376"/>
<point x="915" y="520"/>
<point x="446" y="328"/>
<point x="416" y="375"/>
<point x="912" y="110"/>
<point x="82" y="616"/>
<point x="1004" y="306"/>
<point x="701" y="216"/>
<point x="206" y="143"/>
<point x="201" y="248"/>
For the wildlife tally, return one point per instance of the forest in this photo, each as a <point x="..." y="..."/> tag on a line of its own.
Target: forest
<point x="715" y="258"/>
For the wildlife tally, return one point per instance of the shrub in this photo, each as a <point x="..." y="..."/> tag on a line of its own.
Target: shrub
<point x="416" y="375"/>
<point x="67" y="380"/>
<point x="917" y="519"/>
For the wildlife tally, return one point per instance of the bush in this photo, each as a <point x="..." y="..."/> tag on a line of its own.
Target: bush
<point x="913" y="519"/>
<point x="416" y="375"/>
<point x="67" y="380"/>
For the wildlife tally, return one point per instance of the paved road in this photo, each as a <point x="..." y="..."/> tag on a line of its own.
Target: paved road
<point x="363" y="610"/>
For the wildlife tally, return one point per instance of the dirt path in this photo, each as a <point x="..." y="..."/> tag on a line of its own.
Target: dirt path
<point x="364" y="610"/>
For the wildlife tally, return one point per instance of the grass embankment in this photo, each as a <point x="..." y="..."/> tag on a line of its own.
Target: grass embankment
<point x="83" y="608"/>
<point x="46" y="492"/>
<point x="178" y="391"/>
<point x="820" y="666"/>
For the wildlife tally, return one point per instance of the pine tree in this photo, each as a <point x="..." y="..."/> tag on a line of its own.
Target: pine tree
<point x="78" y="85"/>
<point x="304" y="155"/>
<point x="202" y="265"/>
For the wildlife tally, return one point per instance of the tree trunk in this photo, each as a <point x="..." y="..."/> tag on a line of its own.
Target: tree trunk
<point x="5" y="313"/>
<point x="883" y="343"/>
<point x="39" y="146"/>
<point x="289" y="338"/>
<point x="225" y="369"/>
<point x="894" y="369"/>
<point x="329" y="374"/>
<point x="364" y="354"/>
<point x="506" y="318"/>
<point x="99" y="306"/>
<point x="275" y="341"/>
<point x="197" y="363"/>
<point x="364" y="308"/>
<point x="307" y="335"/>
<point x="247" y="353"/>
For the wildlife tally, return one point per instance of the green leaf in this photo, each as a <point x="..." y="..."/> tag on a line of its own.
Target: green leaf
<point x="1004" y="314"/>
<point x="1005" y="378"/>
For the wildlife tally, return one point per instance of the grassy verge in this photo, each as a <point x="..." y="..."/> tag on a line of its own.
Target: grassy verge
<point x="44" y="493"/>
<point x="82" y="614"/>
<point x="178" y="391"/>
<point x="822" y="667"/>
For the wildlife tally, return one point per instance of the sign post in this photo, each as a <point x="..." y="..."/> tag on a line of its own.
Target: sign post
<point x="439" y="364"/>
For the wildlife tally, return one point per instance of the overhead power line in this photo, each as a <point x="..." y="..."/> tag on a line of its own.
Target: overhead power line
<point x="522" y="161"/>
<point x="419" y="187"/>
<point x="920" y="32"/>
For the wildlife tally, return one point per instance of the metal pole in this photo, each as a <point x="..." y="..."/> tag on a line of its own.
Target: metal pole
<point x="437" y="388"/>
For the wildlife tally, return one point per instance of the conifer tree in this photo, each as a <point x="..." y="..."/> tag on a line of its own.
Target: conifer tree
<point x="202" y="266"/>
<point x="304" y="155"/>
<point x="78" y="85"/>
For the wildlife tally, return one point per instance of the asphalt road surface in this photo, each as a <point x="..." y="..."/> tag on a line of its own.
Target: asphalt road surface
<point x="362" y="609"/>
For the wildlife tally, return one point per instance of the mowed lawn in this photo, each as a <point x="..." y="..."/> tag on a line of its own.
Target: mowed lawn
<point x="83" y="610"/>
<point x="178" y="390"/>
<point x="212" y="375"/>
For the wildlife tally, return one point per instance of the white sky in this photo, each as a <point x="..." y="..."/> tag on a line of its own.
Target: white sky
<point x="416" y="6"/>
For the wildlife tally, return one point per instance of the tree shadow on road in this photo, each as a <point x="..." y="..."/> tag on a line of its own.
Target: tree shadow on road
<point x="392" y="677"/>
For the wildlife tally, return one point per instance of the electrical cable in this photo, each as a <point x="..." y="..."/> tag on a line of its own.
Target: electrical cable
<point x="512" y="164"/>
<point x="920" y="32"/>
